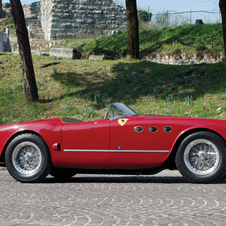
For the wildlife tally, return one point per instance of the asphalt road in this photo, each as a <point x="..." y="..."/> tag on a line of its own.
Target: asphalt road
<point x="162" y="199"/>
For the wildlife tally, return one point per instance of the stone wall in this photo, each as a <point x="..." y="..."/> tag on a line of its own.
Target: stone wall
<point x="6" y="10"/>
<point x="80" y="18"/>
<point x="185" y="58"/>
<point x="4" y="43"/>
<point x="32" y="14"/>
<point x="64" y="19"/>
<point x="32" y="10"/>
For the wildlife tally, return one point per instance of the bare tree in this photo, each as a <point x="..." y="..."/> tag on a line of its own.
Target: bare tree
<point x="30" y="86"/>
<point x="222" y="4"/>
<point x="132" y="29"/>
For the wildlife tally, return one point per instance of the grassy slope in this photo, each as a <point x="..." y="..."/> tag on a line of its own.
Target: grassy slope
<point x="183" y="38"/>
<point x="84" y="89"/>
<point x="7" y="22"/>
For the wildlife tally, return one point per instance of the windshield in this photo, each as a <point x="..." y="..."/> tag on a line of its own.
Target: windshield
<point x="120" y="110"/>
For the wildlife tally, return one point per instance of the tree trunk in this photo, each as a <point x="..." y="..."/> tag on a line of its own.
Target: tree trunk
<point x="30" y="86"/>
<point x="222" y="4"/>
<point x="0" y="8"/>
<point x="132" y="29"/>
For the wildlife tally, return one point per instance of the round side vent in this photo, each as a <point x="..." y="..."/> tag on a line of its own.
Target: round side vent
<point x="152" y="129"/>
<point x="167" y="129"/>
<point x="138" y="129"/>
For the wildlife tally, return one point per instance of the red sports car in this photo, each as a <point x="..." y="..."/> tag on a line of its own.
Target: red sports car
<point x="123" y="142"/>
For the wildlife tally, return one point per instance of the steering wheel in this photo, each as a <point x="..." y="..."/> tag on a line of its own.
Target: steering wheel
<point x="110" y="110"/>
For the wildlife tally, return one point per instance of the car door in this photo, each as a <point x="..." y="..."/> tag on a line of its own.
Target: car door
<point x="86" y="144"/>
<point x="134" y="146"/>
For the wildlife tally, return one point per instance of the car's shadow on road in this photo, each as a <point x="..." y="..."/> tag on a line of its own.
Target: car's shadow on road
<point x="121" y="179"/>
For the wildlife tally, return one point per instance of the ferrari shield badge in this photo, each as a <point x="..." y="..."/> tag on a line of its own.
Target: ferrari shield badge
<point x="122" y="121"/>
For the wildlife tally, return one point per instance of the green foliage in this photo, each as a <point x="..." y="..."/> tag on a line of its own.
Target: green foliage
<point x="206" y="37"/>
<point x="7" y="22"/>
<point x="144" y="15"/>
<point x="149" y="88"/>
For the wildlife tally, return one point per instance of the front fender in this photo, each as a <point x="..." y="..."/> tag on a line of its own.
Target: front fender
<point x="50" y="132"/>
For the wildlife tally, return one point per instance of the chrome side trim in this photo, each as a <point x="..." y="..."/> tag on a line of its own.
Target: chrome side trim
<point x="84" y="150"/>
<point x="141" y="151"/>
<point x="118" y="151"/>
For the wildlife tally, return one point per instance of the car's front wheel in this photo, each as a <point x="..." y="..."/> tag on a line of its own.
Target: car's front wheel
<point x="201" y="157"/>
<point x="27" y="158"/>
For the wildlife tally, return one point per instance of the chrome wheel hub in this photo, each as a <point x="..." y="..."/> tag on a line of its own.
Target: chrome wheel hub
<point x="201" y="157"/>
<point x="27" y="158"/>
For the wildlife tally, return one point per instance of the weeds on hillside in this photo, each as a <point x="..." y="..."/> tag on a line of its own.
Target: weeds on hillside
<point x="174" y="40"/>
<point x="86" y="91"/>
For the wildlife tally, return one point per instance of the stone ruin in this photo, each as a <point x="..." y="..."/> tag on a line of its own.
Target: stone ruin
<point x="67" y="19"/>
<point x="4" y="42"/>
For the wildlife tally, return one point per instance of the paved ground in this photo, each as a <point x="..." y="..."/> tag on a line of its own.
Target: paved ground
<point x="163" y="199"/>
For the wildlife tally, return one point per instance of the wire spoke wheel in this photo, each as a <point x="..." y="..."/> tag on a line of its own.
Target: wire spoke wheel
<point x="27" y="158"/>
<point x="201" y="157"/>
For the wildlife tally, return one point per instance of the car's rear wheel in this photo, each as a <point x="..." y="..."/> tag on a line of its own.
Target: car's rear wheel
<point x="62" y="174"/>
<point x="201" y="157"/>
<point x="27" y="158"/>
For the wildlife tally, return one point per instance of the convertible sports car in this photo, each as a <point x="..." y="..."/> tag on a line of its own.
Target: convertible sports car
<point x="123" y="142"/>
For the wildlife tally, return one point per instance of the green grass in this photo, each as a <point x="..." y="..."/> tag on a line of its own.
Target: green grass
<point x="85" y="89"/>
<point x="7" y="22"/>
<point x="207" y="37"/>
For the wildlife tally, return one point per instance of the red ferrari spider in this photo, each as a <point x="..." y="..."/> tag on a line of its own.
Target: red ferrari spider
<point x="123" y="142"/>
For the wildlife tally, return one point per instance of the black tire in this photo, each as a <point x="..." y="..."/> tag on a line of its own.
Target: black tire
<point x="27" y="158"/>
<point x="62" y="174"/>
<point x="201" y="157"/>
